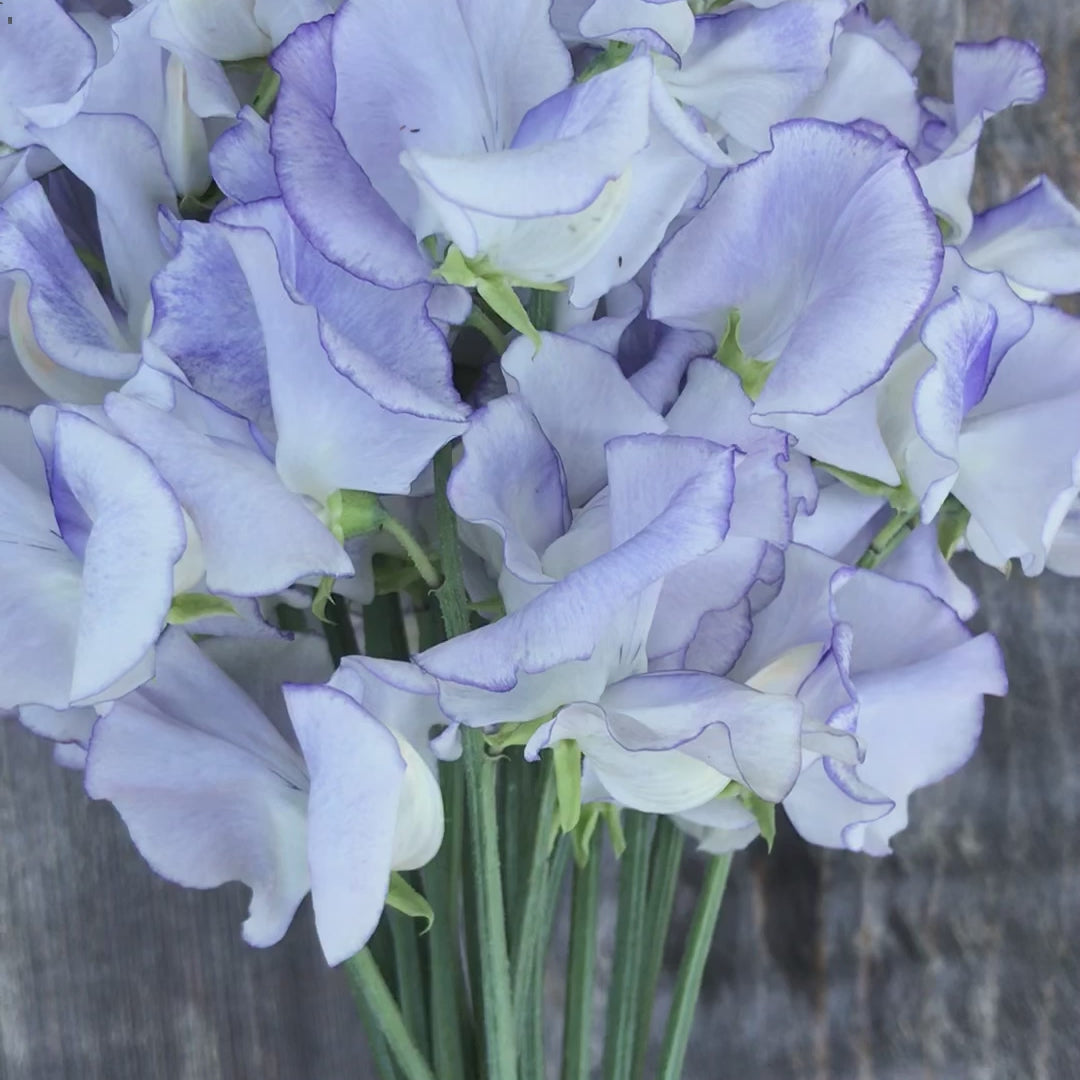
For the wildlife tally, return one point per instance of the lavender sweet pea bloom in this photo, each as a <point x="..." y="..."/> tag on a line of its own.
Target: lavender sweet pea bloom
<point x="580" y="617"/>
<point x="748" y="70"/>
<point x="906" y="689"/>
<point x="92" y="536"/>
<point x="987" y="79"/>
<point x="211" y="791"/>
<point x="499" y="153"/>
<point x="827" y="251"/>
<point x="1034" y="240"/>
<point x="62" y="333"/>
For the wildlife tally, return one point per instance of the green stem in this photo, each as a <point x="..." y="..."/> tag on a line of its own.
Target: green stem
<point x="442" y="884"/>
<point x="370" y="989"/>
<point x="414" y="549"/>
<point x="532" y="1032"/>
<point x="339" y="631"/>
<point x="527" y="935"/>
<point x="480" y="320"/>
<point x="384" y="628"/>
<point x="494" y="961"/>
<point x="889" y="538"/>
<point x="377" y="1045"/>
<point x="620" y="1038"/>
<point x="453" y="601"/>
<point x="410" y="979"/>
<point x="681" y="1018"/>
<point x="581" y="964"/>
<point x="663" y="879"/>
<point x="496" y="990"/>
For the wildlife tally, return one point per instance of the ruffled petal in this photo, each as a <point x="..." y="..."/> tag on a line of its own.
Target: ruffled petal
<point x="562" y="382"/>
<point x="206" y="787"/>
<point x="825" y="296"/>
<point x="357" y="773"/>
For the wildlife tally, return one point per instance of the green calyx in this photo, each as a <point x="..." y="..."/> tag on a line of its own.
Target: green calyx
<point x="764" y="811"/>
<point x="582" y="836"/>
<point x="952" y="523"/>
<point x="354" y="513"/>
<point x="515" y="734"/>
<point x="187" y="607"/>
<point x="899" y="498"/>
<point x="616" y="53"/>
<point x="495" y="288"/>
<point x="401" y="896"/>
<point x="566" y="758"/>
<point x="752" y="373"/>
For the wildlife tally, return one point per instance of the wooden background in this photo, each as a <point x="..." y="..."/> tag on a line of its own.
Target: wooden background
<point x="954" y="960"/>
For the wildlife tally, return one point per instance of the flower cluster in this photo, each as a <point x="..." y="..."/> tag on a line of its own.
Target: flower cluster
<point x="690" y="296"/>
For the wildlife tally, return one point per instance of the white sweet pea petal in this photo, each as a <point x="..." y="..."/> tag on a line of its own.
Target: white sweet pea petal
<point x="207" y="788"/>
<point x="561" y="383"/>
<point x="136" y="536"/>
<point x="748" y="70"/>
<point x="357" y="782"/>
<point x="654" y="781"/>
<point x="1033" y="239"/>
<point x="824" y="295"/>
<point x="1019" y="448"/>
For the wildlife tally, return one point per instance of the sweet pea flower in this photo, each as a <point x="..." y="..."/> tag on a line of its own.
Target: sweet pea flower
<point x="92" y="543"/>
<point x="825" y="249"/>
<point x="988" y="78"/>
<point x="212" y="791"/>
<point x="906" y="691"/>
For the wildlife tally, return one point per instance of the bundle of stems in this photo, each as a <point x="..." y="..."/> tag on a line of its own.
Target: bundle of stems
<point x="464" y="997"/>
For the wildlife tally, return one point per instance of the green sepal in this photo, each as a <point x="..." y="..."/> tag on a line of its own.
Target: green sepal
<point x="267" y="91"/>
<point x="496" y="289"/>
<point x="952" y="523"/>
<point x="322" y="598"/>
<point x="187" y="607"/>
<point x="492" y="606"/>
<point x="948" y="229"/>
<point x="582" y="837"/>
<point x="201" y="207"/>
<point x="615" y="54"/>
<point x="501" y="298"/>
<point x="610" y="813"/>
<point x="752" y="373"/>
<point x="455" y="269"/>
<point x="354" y="513"/>
<point x="764" y="812"/>
<point x="899" y="498"/>
<point x="401" y="896"/>
<point x="514" y="734"/>
<point x="566" y="760"/>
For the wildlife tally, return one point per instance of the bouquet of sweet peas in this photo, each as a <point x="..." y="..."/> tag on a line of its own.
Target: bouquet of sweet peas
<point x="445" y="439"/>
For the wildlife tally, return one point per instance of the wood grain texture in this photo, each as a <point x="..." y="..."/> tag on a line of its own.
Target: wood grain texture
<point x="953" y="960"/>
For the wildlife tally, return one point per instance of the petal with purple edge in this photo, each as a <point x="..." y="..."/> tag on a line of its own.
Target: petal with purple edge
<point x="357" y="773"/>
<point x="669" y="504"/>
<point x="457" y="82"/>
<point x="327" y="193"/>
<point x="511" y="480"/>
<point x="827" y="304"/>
<point x="136" y="537"/>
<point x="258" y="536"/>
<point x="561" y="382"/>
<point x="206" y="793"/>
<point x="1019" y="448"/>
<point x="749" y="70"/>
